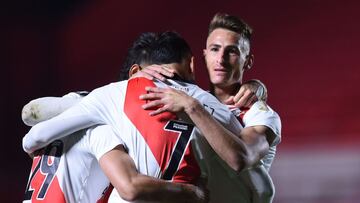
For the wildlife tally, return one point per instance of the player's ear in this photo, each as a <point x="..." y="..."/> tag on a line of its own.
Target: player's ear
<point x="134" y="69"/>
<point x="204" y="52"/>
<point x="249" y="61"/>
<point x="192" y="65"/>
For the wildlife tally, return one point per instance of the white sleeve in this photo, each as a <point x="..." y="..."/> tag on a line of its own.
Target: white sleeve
<point x="44" y="108"/>
<point x="79" y="116"/>
<point x="222" y="114"/>
<point x="102" y="139"/>
<point x="261" y="114"/>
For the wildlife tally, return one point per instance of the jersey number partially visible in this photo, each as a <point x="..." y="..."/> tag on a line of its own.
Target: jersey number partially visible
<point x="48" y="165"/>
<point x="185" y="130"/>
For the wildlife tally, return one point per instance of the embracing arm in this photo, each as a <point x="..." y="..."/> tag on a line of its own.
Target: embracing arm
<point x="120" y="169"/>
<point x="239" y="151"/>
<point x="44" y="108"/>
<point x="68" y="122"/>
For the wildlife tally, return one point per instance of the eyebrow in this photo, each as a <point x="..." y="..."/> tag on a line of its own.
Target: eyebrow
<point x="214" y="45"/>
<point x="229" y="46"/>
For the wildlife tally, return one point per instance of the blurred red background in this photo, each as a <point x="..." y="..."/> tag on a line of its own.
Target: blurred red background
<point x="306" y="52"/>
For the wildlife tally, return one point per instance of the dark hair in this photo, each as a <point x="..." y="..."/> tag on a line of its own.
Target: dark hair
<point x="156" y="48"/>
<point x="230" y="22"/>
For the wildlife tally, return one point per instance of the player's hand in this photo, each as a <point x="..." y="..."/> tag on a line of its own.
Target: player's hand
<point x="202" y="195"/>
<point x="204" y="192"/>
<point x="197" y="193"/>
<point x="249" y="93"/>
<point x="244" y="98"/>
<point x="151" y="72"/>
<point x="165" y="99"/>
<point x="38" y="152"/>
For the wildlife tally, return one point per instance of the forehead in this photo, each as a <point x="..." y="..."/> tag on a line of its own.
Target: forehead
<point x="223" y="37"/>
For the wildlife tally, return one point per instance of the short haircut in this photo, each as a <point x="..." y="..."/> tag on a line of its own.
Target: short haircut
<point x="156" y="48"/>
<point x="230" y="22"/>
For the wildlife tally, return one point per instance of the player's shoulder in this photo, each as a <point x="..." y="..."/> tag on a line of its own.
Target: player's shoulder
<point x="261" y="107"/>
<point x="261" y="113"/>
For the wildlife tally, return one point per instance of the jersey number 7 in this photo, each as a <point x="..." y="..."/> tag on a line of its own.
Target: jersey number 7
<point x="185" y="130"/>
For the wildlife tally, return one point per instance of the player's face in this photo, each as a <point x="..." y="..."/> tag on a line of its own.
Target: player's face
<point x="225" y="57"/>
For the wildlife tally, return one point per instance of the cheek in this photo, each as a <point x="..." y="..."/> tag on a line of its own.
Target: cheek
<point x="209" y="63"/>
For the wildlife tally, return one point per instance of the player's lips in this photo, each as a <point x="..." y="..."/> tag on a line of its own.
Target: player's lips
<point x="220" y="71"/>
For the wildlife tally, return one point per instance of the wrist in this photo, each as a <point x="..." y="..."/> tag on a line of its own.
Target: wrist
<point x="191" y="106"/>
<point x="192" y="193"/>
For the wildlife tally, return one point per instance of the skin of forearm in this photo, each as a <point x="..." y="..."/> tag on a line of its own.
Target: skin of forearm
<point x="227" y="145"/>
<point x="121" y="171"/>
<point x="257" y="140"/>
<point x="151" y="189"/>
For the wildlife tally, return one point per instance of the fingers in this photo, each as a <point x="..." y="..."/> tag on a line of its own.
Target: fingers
<point x="158" y="72"/>
<point x="239" y="95"/>
<point x="155" y="105"/>
<point x="152" y="104"/>
<point x="150" y="96"/>
<point x="156" y="89"/>
<point x="153" y="74"/>
<point x="143" y="74"/>
<point x="245" y="98"/>
<point x="252" y="99"/>
<point x="229" y="101"/>
<point x="153" y="93"/>
<point x="167" y="71"/>
<point x="158" y="111"/>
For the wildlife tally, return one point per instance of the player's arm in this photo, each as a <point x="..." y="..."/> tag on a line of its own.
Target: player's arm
<point x="68" y="122"/>
<point x="250" y="91"/>
<point x="44" y="108"/>
<point x="132" y="186"/>
<point x="238" y="153"/>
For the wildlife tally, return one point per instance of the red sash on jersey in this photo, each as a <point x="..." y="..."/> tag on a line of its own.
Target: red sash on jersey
<point x="167" y="138"/>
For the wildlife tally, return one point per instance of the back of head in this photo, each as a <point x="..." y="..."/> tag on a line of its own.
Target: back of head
<point x="156" y="48"/>
<point x="230" y="22"/>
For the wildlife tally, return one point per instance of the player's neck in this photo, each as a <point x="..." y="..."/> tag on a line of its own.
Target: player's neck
<point x="222" y="93"/>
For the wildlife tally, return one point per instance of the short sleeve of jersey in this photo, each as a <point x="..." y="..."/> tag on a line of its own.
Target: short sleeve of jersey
<point x="220" y="112"/>
<point x="261" y="114"/>
<point x="102" y="139"/>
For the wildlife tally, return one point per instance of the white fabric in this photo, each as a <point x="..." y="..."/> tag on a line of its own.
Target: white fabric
<point x="79" y="175"/>
<point x="262" y="114"/>
<point x="105" y="106"/>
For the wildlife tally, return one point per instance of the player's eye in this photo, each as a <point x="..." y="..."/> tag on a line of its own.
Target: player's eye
<point x="214" y="49"/>
<point x="233" y="51"/>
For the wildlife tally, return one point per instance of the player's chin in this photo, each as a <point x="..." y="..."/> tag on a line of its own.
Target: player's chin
<point x="218" y="80"/>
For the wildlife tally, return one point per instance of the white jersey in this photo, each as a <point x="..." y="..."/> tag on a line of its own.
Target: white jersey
<point x="253" y="184"/>
<point x="68" y="170"/>
<point x="261" y="114"/>
<point x="159" y="145"/>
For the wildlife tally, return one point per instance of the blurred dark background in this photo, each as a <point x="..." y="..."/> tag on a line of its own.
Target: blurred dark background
<point x="307" y="53"/>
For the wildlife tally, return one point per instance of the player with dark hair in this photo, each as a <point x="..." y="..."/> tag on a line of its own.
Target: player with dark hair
<point x="67" y="170"/>
<point x="158" y="145"/>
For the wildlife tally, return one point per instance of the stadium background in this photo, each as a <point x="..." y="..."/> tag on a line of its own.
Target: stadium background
<point x="307" y="53"/>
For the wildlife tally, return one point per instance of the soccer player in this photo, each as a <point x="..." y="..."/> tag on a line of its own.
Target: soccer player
<point x="118" y="105"/>
<point x="67" y="169"/>
<point x="239" y="172"/>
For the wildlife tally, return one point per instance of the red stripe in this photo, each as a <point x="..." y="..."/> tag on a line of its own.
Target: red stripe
<point x="54" y="193"/>
<point x="151" y="128"/>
